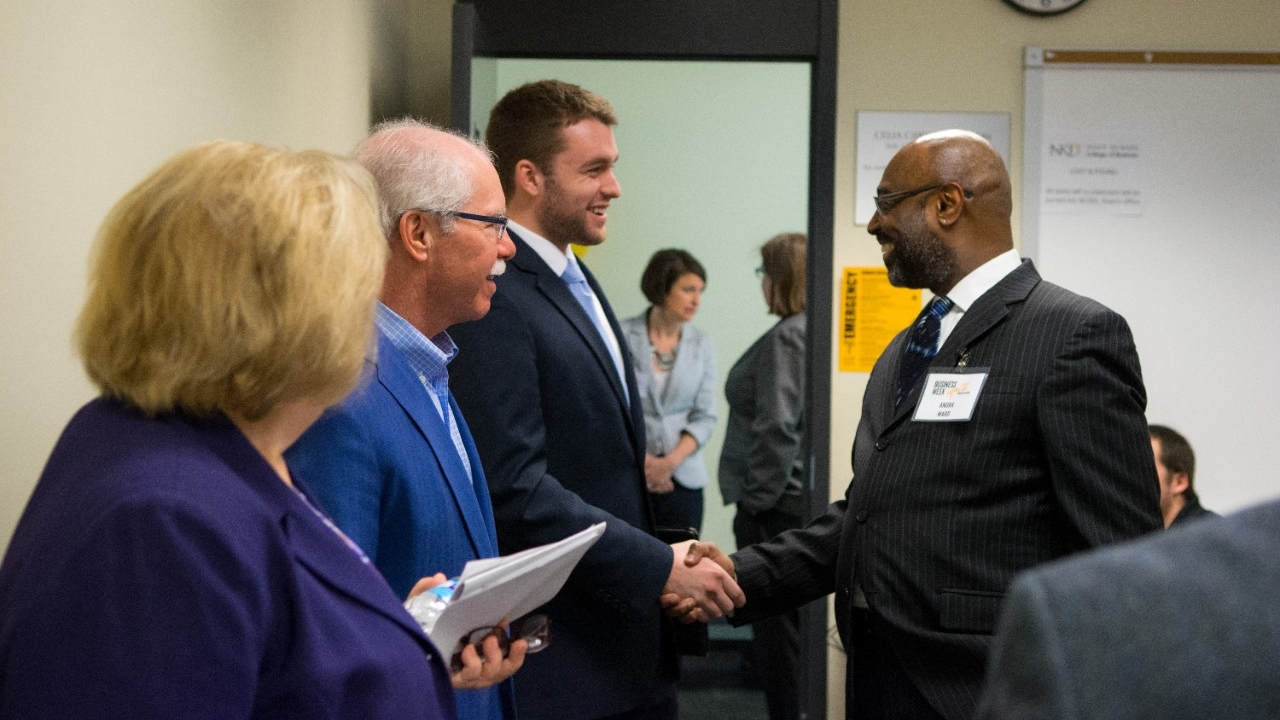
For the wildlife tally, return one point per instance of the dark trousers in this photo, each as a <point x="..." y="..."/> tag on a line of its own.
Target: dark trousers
<point x="878" y="688"/>
<point x="680" y="508"/>
<point x="775" y="640"/>
<point x="664" y="708"/>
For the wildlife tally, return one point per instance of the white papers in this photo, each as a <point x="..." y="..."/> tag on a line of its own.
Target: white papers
<point x="509" y="587"/>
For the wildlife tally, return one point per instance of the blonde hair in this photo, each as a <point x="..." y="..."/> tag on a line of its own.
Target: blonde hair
<point x="235" y="277"/>
<point x="783" y="257"/>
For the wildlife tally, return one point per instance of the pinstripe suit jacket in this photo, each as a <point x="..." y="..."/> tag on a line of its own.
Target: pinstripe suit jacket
<point x="940" y="516"/>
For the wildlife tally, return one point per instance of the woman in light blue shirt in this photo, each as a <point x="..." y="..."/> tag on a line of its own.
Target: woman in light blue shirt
<point x="675" y="372"/>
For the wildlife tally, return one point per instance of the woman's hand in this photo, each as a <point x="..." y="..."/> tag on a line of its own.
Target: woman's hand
<point x="658" y="472"/>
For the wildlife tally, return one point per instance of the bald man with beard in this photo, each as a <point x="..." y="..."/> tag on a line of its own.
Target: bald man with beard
<point x="1021" y="438"/>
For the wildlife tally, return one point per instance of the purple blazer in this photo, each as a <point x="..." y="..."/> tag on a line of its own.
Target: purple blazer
<point x="161" y="569"/>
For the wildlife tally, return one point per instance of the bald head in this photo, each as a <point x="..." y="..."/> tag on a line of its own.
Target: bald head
<point x="943" y="209"/>
<point x="966" y="158"/>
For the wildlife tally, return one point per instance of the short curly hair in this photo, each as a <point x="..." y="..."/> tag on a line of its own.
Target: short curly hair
<point x="236" y="277"/>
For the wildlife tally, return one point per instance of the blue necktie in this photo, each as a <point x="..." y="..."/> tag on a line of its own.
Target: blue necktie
<point x="922" y="345"/>
<point x="577" y="283"/>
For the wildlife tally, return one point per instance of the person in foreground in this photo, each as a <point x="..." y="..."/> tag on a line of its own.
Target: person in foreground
<point x="762" y="466"/>
<point x="1181" y="626"/>
<point x="169" y="564"/>
<point x="675" y="366"/>
<point x="1004" y="429"/>
<point x="395" y="464"/>
<point x="546" y="384"/>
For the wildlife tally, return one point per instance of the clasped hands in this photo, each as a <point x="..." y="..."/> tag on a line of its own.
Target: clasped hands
<point x="702" y="585"/>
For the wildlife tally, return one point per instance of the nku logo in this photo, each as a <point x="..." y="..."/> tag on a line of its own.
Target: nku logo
<point x="1064" y="149"/>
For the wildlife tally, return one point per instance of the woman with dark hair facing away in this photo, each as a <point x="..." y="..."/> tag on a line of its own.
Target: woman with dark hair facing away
<point x="675" y="367"/>
<point x="168" y="563"/>
<point x="761" y="464"/>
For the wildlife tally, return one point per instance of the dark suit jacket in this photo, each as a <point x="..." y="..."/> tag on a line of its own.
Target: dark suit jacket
<point x="941" y="515"/>
<point x="563" y="449"/>
<point x="1183" y="625"/>
<point x="383" y="466"/>
<point x="162" y="570"/>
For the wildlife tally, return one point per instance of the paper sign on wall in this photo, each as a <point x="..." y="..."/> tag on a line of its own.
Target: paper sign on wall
<point x="871" y="312"/>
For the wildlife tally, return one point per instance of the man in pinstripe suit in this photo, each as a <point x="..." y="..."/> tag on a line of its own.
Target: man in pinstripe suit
<point x="1045" y="454"/>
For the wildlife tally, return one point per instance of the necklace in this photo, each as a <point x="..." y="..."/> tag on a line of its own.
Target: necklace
<point x="666" y="361"/>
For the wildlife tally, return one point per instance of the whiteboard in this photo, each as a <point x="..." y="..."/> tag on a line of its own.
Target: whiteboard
<point x="1152" y="184"/>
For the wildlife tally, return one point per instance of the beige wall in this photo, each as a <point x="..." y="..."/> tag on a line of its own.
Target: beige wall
<point x="95" y="94"/>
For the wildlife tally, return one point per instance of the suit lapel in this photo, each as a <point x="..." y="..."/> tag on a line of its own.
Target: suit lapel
<point x="402" y="383"/>
<point x="553" y="287"/>
<point x="990" y="309"/>
<point x="987" y="312"/>
<point x="320" y="549"/>
<point x="313" y="544"/>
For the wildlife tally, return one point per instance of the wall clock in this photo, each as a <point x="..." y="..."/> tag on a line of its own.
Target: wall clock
<point x="1044" y="7"/>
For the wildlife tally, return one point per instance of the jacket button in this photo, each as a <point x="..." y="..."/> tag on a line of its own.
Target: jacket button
<point x="861" y="516"/>
<point x="881" y="444"/>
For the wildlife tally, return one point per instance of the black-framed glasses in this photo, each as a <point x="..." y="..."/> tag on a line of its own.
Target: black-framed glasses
<point x="533" y="629"/>
<point x="887" y="202"/>
<point x="491" y="220"/>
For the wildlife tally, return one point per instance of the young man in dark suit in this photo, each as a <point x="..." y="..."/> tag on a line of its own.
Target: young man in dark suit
<point x="1007" y="430"/>
<point x="544" y="379"/>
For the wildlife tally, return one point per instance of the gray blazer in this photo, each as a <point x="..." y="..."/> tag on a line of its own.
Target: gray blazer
<point x="761" y="464"/>
<point x="1182" y="625"/>
<point x="688" y="404"/>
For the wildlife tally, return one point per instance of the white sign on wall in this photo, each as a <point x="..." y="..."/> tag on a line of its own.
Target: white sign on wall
<point x="882" y="134"/>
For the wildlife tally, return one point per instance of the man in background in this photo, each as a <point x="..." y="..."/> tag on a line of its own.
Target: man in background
<point x="1176" y="469"/>
<point x="544" y="380"/>
<point x="394" y="465"/>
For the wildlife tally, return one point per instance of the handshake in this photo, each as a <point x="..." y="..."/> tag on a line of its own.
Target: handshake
<point x="702" y="585"/>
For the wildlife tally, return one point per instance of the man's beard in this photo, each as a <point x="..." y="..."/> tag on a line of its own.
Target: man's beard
<point x="920" y="259"/>
<point x="563" y="222"/>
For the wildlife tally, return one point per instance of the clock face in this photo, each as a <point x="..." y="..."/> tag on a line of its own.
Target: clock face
<point x="1044" y="7"/>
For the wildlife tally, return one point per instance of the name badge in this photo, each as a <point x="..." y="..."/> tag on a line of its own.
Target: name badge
<point x="949" y="396"/>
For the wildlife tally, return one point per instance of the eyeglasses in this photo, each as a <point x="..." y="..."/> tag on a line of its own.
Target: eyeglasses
<point x="886" y="202"/>
<point x="534" y="629"/>
<point x="491" y="220"/>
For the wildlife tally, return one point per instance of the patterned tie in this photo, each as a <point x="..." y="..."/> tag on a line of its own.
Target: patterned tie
<point x="577" y="283"/>
<point x="922" y="345"/>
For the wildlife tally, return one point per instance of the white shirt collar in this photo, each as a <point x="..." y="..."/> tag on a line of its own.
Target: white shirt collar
<point x="556" y="259"/>
<point x="983" y="278"/>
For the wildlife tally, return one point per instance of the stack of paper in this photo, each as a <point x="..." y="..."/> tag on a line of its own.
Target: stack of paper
<point x="509" y="587"/>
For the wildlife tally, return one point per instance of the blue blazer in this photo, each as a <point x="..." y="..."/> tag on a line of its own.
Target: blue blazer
<point x="161" y="569"/>
<point x="563" y="449"/>
<point x="383" y="466"/>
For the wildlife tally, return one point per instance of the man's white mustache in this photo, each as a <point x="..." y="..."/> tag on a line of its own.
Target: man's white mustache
<point x="499" y="267"/>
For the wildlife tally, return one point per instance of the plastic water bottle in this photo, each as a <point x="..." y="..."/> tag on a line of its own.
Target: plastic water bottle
<point x="426" y="607"/>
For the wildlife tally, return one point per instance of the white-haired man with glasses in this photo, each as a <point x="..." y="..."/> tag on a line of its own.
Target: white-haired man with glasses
<point x="395" y="465"/>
